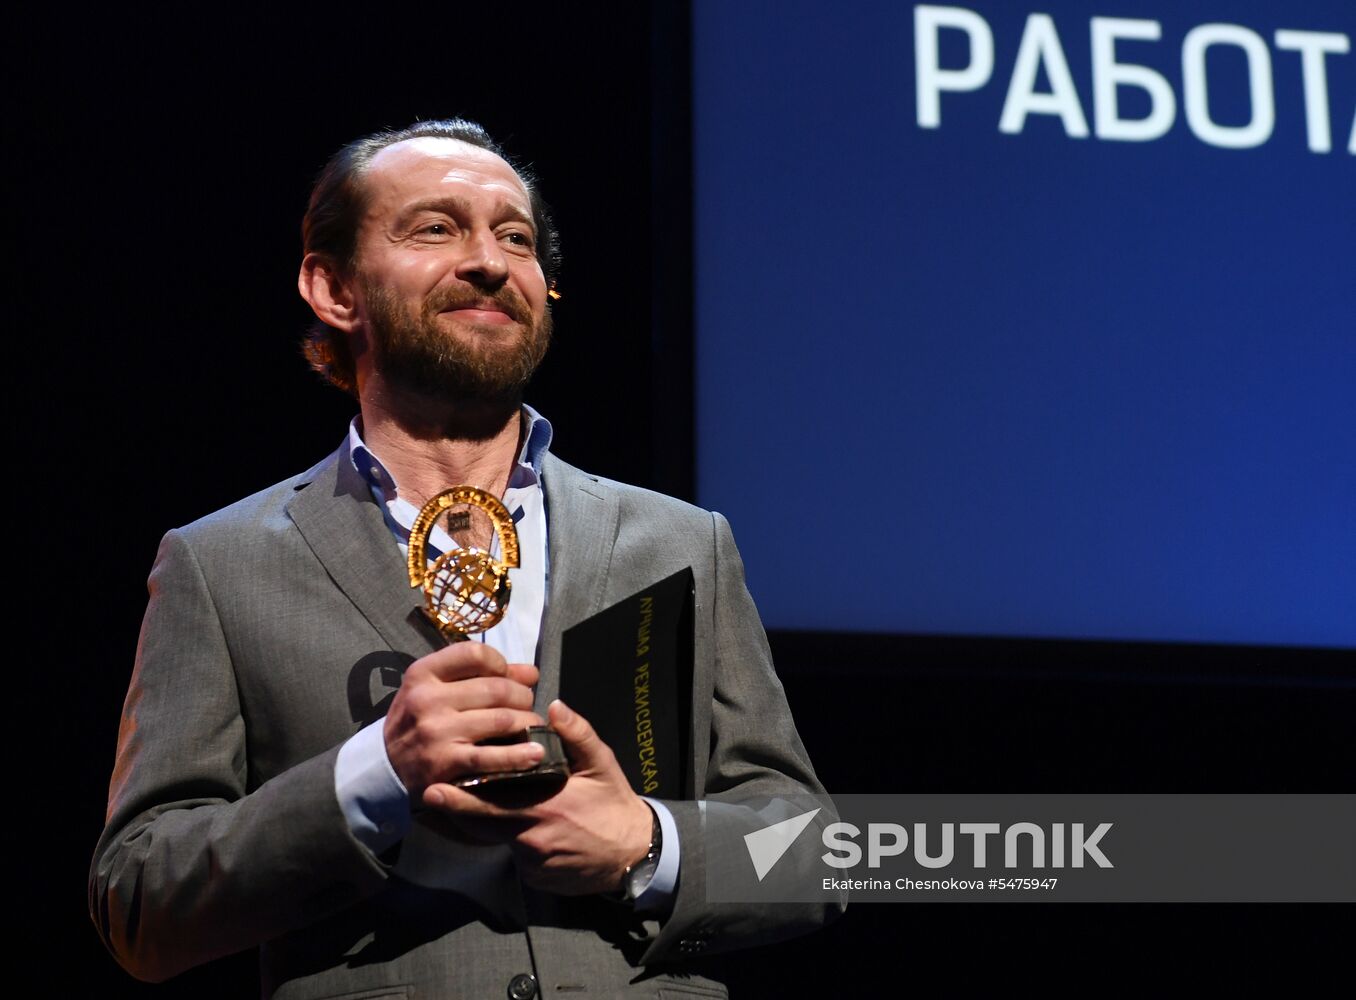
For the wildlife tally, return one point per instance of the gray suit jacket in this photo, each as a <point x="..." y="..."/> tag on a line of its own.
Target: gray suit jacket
<point x="279" y="626"/>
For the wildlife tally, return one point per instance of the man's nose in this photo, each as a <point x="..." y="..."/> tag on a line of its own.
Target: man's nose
<point x="484" y="262"/>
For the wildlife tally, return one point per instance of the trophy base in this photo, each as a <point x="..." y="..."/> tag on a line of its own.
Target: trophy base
<point x="520" y="788"/>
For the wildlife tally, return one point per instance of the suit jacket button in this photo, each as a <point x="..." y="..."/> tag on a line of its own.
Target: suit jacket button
<point x="523" y="986"/>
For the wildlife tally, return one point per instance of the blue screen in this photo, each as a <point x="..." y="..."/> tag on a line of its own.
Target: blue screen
<point x="1031" y="320"/>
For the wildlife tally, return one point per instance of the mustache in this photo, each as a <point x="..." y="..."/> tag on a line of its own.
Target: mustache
<point x="505" y="299"/>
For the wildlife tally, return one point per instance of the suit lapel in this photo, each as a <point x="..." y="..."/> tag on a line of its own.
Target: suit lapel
<point x="581" y="528"/>
<point x="340" y="521"/>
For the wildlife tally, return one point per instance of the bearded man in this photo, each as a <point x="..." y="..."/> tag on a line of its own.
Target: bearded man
<point x="263" y="796"/>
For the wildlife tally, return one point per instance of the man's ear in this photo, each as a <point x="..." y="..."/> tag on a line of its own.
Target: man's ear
<point x="328" y="292"/>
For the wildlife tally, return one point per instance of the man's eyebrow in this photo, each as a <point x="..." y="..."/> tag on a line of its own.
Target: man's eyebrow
<point x="451" y="205"/>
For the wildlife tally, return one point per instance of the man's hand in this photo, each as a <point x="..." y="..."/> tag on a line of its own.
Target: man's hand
<point x="578" y="841"/>
<point x="448" y="701"/>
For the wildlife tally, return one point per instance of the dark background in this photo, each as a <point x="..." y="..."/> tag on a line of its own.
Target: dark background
<point x="163" y="163"/>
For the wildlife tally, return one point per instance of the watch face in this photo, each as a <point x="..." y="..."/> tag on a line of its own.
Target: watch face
<point x="638" y="879"/>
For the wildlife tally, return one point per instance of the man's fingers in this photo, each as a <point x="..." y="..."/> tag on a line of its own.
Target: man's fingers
<point x="487" y="692"/>
<point x="454" y="752"/>
<point x="493" y="759"/>
<point x="459" y="660"/>
<point x="484" y="723"/>
<point x="524" y="673"/>
<point x="586" y="750"/>
<point x="452" y="698"/>
<point x="472" y="817"/>
<point x="453" y="728"/>
<point x="460" y="802"/>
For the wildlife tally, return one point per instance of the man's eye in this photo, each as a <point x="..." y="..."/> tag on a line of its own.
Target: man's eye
<point x="435" y="229"/>
<point x="518" y="239"/>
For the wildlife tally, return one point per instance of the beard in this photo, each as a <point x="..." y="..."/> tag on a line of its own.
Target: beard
<point x="485" y="370"/>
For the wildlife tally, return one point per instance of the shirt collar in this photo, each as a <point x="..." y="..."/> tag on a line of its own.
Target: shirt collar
<point x="526" y="470"/>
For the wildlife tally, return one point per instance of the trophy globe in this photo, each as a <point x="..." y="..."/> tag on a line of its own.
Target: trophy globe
<point x="466" y="590"/>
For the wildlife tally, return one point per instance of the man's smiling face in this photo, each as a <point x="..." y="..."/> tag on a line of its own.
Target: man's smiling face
<point x="449" y="285"/>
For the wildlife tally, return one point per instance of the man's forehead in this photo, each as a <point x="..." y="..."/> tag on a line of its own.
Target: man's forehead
<point x="430" y="163"/>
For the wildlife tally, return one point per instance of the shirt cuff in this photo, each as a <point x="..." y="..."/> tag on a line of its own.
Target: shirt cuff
<point x="657" y="897"/>
<point x="371" y="795"/>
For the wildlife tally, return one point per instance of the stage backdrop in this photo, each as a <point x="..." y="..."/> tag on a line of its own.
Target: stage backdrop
<point x="1032" y="320"/>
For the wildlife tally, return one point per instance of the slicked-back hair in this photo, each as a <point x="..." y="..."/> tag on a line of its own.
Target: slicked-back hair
<point x="339" y="200"/>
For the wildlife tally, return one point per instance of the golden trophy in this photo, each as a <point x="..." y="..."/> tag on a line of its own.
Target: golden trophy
<point x="466" y="591"/>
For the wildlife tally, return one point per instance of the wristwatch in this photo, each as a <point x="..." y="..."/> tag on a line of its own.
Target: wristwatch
<point x="636" y="879"/>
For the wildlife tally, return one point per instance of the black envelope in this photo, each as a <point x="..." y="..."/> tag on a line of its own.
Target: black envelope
<point x="628" y="670"/>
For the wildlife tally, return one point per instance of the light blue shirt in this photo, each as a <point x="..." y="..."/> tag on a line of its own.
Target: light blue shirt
<point x="373" y="798"/>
